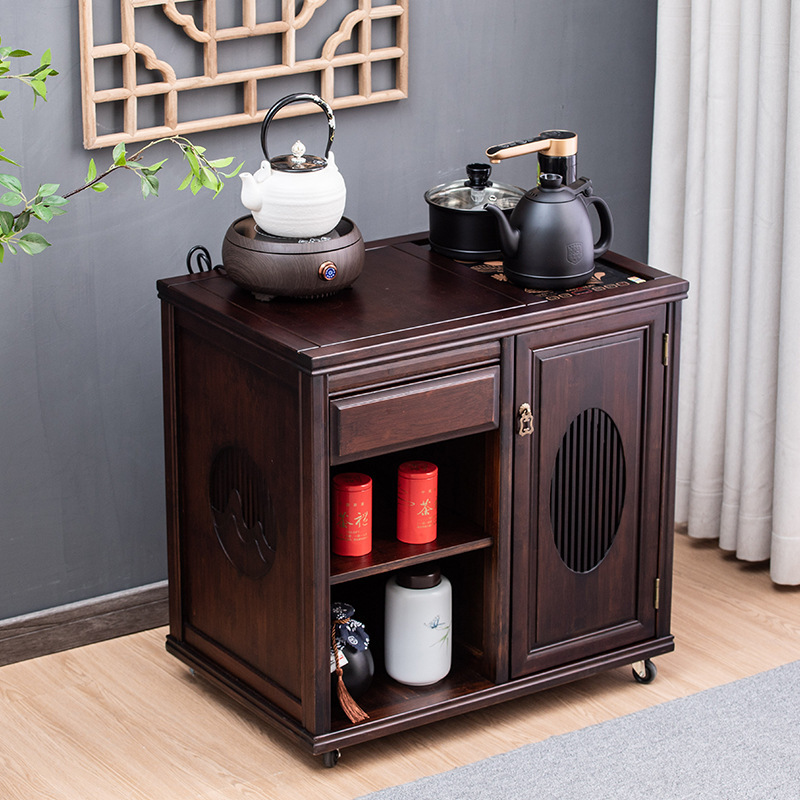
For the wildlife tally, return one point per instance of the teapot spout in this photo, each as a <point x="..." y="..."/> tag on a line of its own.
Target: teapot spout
<point x="509" y="237"/>
<point x="251" y="192"/>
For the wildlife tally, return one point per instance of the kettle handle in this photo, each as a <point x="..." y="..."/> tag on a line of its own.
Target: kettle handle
<point x="296" y="98"/>
<point x="606" y="223"/>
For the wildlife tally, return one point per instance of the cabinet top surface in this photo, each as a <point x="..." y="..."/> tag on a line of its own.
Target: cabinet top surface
<point x="406" y="292"/>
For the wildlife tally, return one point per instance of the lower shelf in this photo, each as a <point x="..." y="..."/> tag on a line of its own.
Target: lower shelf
<point x="387" y="698"/>
<point x="463" y="691"/>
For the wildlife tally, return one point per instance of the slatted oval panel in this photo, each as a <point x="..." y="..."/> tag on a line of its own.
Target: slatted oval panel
<point x="587" y="490"/>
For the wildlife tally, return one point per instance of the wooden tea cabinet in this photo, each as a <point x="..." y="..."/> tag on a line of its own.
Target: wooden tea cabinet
<point x="551" y="419"/>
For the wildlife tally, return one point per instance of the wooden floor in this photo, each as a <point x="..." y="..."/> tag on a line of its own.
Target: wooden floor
<point x="122" y="719"/>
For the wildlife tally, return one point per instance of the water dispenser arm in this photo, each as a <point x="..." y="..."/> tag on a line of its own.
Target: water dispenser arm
<point x="551" y="143"/>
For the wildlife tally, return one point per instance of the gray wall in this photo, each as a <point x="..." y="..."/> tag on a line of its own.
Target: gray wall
<point x="81" y="456"/>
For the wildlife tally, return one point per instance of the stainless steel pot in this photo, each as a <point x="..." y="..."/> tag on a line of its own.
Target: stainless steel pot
<point x="460" y="227"/>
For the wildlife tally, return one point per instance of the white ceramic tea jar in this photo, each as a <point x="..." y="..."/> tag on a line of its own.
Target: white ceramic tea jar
<point x="419" y="625"/>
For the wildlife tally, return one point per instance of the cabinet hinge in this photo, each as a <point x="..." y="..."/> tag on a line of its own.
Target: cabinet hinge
<point x="657" y="593"/>
<point x="665" y="351"/>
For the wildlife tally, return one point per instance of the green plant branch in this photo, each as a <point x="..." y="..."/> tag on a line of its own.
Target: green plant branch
<point x="46" y="204"/>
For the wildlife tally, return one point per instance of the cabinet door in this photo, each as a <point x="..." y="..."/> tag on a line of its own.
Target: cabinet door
<point x="586" y="489"/>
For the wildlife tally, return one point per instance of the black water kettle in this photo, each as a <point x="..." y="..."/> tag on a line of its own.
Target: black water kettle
<point x="548" y="242"/>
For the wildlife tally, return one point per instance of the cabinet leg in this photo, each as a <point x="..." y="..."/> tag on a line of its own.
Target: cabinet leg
<point x="331" y="758"/>
<point x="644" y="671"/>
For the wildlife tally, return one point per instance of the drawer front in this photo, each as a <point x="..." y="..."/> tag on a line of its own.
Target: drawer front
<point x="378" y="422"/>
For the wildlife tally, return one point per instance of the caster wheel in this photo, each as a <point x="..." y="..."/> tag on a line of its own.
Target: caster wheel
<point x="644" y="671"/>
<point x="331" y="759"/>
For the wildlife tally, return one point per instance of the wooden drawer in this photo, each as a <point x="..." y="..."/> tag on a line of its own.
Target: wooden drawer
<point x="381" y="421"/>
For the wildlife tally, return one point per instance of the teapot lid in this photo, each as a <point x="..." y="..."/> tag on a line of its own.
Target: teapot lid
<point x="298" y="160"/>
<point x="552" y="190"/>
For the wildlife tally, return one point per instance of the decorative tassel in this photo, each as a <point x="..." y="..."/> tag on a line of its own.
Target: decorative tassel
<point x="354" y="712"/>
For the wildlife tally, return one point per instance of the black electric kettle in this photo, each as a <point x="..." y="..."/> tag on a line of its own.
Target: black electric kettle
<point x="548" y="242"/>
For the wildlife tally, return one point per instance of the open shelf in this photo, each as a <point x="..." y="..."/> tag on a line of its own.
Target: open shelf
<point x="387" y="698"/>
<point x="454" y="536"/>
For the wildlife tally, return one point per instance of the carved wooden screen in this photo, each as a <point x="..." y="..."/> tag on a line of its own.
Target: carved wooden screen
<point x="154" y="68"/>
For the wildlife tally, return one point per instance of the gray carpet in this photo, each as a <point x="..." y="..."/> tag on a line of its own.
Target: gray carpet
<point x="738" y="741"/>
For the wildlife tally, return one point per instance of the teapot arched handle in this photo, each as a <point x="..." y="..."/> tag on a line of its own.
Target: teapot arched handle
<point x="606" y="224"/>
<point x="297" y="98"/>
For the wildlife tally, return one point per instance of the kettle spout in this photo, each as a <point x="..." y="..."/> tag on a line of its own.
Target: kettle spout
<point x="509" y="237"/>
<point x="251" y="192"/>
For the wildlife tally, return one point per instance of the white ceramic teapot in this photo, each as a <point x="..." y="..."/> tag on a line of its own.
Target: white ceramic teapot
<point x="297" y="195"/>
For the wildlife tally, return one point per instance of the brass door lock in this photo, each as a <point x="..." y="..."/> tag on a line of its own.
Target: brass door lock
<point x="525" y="420"/>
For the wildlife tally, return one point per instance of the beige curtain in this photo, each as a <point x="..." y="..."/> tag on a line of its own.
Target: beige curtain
<point x="725" y="214"/>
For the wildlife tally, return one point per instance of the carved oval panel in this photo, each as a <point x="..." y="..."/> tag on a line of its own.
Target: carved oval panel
<point x="587" y="490"/>
<point x="243" y="512"/>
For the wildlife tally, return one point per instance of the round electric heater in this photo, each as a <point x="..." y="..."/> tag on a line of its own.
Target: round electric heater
<point x="272" y="266"/>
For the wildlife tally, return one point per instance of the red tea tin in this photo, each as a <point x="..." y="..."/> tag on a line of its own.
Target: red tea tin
<point x="352" y="514"/>
<point x="417" y="489"/>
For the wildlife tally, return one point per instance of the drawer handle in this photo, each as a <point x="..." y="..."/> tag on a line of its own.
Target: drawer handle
<point x="524" y="420"/>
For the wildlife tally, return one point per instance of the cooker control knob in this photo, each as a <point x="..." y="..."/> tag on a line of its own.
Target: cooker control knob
<point x="327" y="270"/>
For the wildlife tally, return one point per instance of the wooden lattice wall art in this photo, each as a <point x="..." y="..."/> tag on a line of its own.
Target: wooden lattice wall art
<point x="140" y="74"/>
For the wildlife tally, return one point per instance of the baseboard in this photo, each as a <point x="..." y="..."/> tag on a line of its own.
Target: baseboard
<point x="87" y="622"/>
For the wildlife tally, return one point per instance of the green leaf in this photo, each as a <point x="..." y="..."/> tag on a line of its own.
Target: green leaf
<point x="47" y="57"/>
<point x="47" y="189"/>
<point x="92" y="173"/>
<point x="221" y="162"/>
<point x="42" y="212"/>
<point x="4" y="94"/>
<point x="2" y="252"/>
<point x="54" y="200"/>
<point x="10" y="182"/>
<point x="149" y="185"/>
<point x="119" y="155"/>
<point x="33" y="243"/>
<point x="11" y="199"/>
<point x="208" y="178"/>
<point x="186" y="181"/>
<point x="5" y="158"/>
<point x="21" y="222"/>
<point x="6" y="221"/>
<point x="11" y="248"/>
<point x="17" y="53"/>
<point x="235" y="172"/>
<point x="39" y="89"/>
<point x="100" y="186"/>
<point x="193" y="163"/>
<point x="153" y="168"/>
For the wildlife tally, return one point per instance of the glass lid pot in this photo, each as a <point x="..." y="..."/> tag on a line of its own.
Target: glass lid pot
<point x="473" y="193"/>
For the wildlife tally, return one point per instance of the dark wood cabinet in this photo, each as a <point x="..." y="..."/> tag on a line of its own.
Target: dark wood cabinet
<point x="551" y="420"/>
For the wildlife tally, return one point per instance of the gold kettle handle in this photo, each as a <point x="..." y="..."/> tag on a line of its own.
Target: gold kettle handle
<point x="551" y="143"/>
